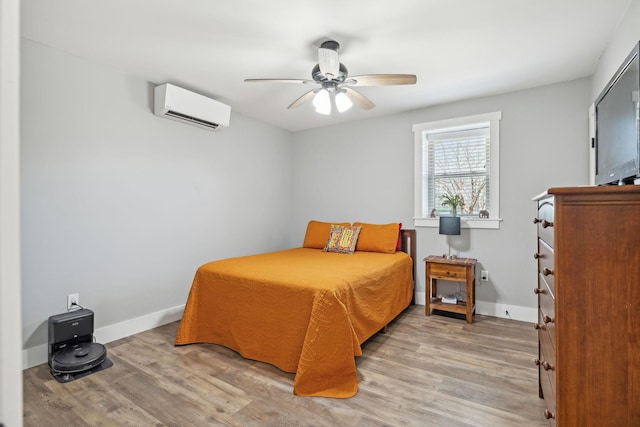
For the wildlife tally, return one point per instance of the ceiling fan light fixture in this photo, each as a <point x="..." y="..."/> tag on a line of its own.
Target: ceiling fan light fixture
<point x="343" y="103"/>
<point x="322" y="102"/>
<point x="335" y="86"/>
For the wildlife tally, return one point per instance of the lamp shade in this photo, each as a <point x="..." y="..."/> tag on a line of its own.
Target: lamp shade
<point x="343" y="103"/>
<point x="322" y="102"/>
<point x="450" y="225"/>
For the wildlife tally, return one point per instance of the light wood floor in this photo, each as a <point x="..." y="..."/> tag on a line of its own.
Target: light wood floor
<point x="426" y="371"/>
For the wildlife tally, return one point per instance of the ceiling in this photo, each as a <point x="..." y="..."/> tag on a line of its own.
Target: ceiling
<point x="458" y="49"/>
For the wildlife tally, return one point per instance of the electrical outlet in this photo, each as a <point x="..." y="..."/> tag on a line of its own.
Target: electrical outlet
<point x="72" y="299"/>
<point x="484" y="275"/>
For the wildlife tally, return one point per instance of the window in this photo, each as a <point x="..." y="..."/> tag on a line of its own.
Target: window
<point x="458" y="157"/>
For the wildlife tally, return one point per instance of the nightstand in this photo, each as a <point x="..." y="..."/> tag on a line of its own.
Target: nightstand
<point x="455" y="270"/>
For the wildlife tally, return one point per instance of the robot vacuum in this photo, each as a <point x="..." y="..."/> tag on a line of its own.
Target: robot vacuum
<point x="72" y="351"/>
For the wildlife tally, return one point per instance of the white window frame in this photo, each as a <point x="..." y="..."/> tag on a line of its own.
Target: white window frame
<point x="493" y="222"/>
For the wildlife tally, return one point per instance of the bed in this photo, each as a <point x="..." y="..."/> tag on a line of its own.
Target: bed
<point x="304" y="310"/>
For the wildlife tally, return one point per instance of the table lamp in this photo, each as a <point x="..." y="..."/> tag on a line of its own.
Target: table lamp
<point x="450" y="226"/>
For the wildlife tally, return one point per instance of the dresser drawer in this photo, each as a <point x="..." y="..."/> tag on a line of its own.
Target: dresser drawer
<point x="546" y="265"/>
<point x="546" y="383"/>
<point x="545" y="220"/>
<point x="443" y="271"/>
<point x="547" y="311"/>
<point x="547" y="376"/>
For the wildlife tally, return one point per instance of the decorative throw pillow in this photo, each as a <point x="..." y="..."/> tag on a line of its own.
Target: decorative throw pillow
<point x="378" y="237"/>
<point x="342" y="239"/>
<point x="318" y="233"/>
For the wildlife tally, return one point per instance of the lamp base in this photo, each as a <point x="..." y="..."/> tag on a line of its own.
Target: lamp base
<point x="449" y="256"/>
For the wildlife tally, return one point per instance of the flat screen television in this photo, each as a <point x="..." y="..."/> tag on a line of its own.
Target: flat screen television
<point x="617" y="130"/>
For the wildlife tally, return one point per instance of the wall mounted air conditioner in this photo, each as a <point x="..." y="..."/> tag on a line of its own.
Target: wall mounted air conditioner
<point x="176" y="103"/>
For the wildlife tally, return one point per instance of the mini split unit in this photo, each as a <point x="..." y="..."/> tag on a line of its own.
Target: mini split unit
<point x="176" y="103"/>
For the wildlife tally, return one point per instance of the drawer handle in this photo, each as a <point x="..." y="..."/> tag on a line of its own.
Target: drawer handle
<point x="546" y="365"/>
<point x="536" y="220"/>
<point x="539" y="326"/>
<point x="537" y="255"/>
<point x="548" y="319"/>
<point x="546" y="224"/>
<point x="548" y="414"/>
<point x="539" y="291"/>
<point x="547" y="271"/>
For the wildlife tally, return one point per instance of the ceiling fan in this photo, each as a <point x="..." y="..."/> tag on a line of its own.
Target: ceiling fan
<point x="335" y="84"/>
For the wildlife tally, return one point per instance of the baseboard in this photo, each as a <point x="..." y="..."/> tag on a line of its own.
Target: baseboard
<point x="37" y="355"/>
<point x="420" y="299"/>
<point x="516" y="312"/>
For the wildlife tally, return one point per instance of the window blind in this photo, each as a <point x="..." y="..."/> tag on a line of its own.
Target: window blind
<point x="456" y="161"/>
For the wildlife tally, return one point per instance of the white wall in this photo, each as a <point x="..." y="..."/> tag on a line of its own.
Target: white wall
<point x="625" y="38"/>
<point x="10" y="332"/>
<point x="122" y="206"/>
<point x="363" y="171"/>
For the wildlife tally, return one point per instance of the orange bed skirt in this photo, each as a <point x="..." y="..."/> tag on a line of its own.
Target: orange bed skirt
<point x="301" y="310"/>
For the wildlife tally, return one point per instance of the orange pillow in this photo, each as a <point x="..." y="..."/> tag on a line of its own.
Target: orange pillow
<point x="318" y="233"/>
<point x="377" y="237"/>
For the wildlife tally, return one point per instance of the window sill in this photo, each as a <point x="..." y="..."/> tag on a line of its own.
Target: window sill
<point x="487" y="223"/>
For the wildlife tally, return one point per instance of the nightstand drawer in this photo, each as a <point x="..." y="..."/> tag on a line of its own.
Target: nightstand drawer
<point x="443" y="271"/>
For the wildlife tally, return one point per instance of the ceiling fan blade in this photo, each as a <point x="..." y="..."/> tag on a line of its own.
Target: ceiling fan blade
<point x="304" y="98"/>
<point x="305" y="81"/>
<point x="384" y="79"/>
<point x="359" y="99"/>
<point x="328" y="59"/>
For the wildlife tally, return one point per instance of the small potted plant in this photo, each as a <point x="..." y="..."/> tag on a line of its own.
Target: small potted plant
<point x="453" y="200"/>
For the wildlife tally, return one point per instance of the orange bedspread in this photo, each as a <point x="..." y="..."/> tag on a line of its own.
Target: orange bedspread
<point x="302" y="310"/>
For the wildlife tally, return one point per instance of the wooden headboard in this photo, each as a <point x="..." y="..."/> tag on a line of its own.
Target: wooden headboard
<point x="408" y="245"/>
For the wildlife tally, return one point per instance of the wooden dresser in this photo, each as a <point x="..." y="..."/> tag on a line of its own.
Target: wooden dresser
<point x="589" y="305"/>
